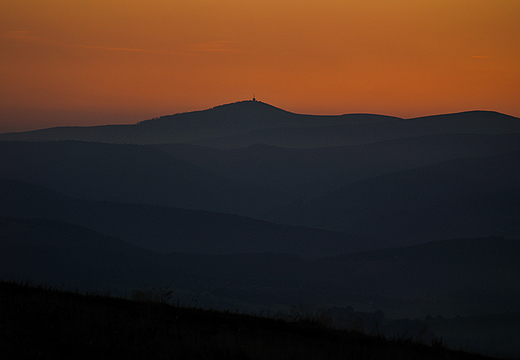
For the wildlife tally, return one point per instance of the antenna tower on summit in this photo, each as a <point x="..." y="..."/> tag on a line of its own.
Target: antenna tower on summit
<point x="254" y="99"/>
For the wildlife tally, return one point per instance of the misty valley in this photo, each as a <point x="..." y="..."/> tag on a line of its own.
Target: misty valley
<point x="404" y="227"/>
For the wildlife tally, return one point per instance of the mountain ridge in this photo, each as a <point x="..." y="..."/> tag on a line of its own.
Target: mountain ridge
<point x="410" y="201"/>
<point x="168" y="229"/>
<point x="241" y="199"/>
<point x="424" y="202"/>
<point x="295" y="170"/>
<point x="130" y="173"/>
<point x="245" y="122"/>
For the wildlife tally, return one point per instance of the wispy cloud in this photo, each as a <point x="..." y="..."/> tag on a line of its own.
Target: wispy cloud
<point x="21" y="35"/>
<point x="112" y="48"/>
<point x="214" y="46"/>
<point x="32" y="36"/>
<point x="222" y="46"/>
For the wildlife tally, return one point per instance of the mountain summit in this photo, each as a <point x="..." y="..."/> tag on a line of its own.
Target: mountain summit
<point x="245" y="123"/>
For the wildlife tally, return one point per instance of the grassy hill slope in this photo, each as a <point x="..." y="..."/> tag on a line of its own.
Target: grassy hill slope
<point x="48" y="324"/>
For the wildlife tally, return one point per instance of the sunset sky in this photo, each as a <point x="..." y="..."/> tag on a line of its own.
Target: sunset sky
<point x="90" y="62"/>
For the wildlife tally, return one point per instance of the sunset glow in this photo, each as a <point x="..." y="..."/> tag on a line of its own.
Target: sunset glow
<point x="71" y="62"/>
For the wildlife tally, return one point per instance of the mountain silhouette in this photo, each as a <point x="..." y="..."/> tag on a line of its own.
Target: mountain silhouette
<point x="403" y="180"/>
<point x="245" y="123"/>
<point x="245" y="206"/>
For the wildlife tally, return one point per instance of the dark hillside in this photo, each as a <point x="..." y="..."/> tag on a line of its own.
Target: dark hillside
<point x="469" y="122"/>
<point x="358" y="129"/>
<point x="48" y="324"/>
<point x="248" y="208"/>
<point x="481" y="275"/>
<point x="470" y="197"/>
<point x="58" y="253"/>
<point x="466" y="277"/>
<point x="166" y="229"/>
<point x="131" y="173"/>
<point x="351" y="129"/>
<point x="221" y="121"/>
<point x="245" y="123"/>
<point x="309" y="173"/>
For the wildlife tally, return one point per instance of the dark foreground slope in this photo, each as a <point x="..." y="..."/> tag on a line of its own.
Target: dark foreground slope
<point x="48" y="324"/>
<point x="472" y="278"/>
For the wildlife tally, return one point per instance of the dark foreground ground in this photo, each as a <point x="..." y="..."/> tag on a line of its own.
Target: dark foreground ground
<point x="36" y="322"/>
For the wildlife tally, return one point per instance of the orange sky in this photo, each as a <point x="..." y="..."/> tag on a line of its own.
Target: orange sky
<point x="86" y="62"/>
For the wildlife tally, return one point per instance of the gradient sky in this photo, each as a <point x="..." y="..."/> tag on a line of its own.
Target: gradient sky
<point x="89" y="62"/>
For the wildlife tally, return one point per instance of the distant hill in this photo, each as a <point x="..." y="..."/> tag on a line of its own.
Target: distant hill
<point x="165" y="229"/>
<point x="359" y="129"/>
<point x="57" y="253"/>
<point x="309" y="173"/>
<point x="466" y="277"/>
<point x="246" y="123"/>
<point x="474" y="272"/>
<point x="399" y="192"/>
<point x="247" y="207"/>
<point x="221" y="121"/>
<point x="468" y="197"/>
<point x="132" y="174"/>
